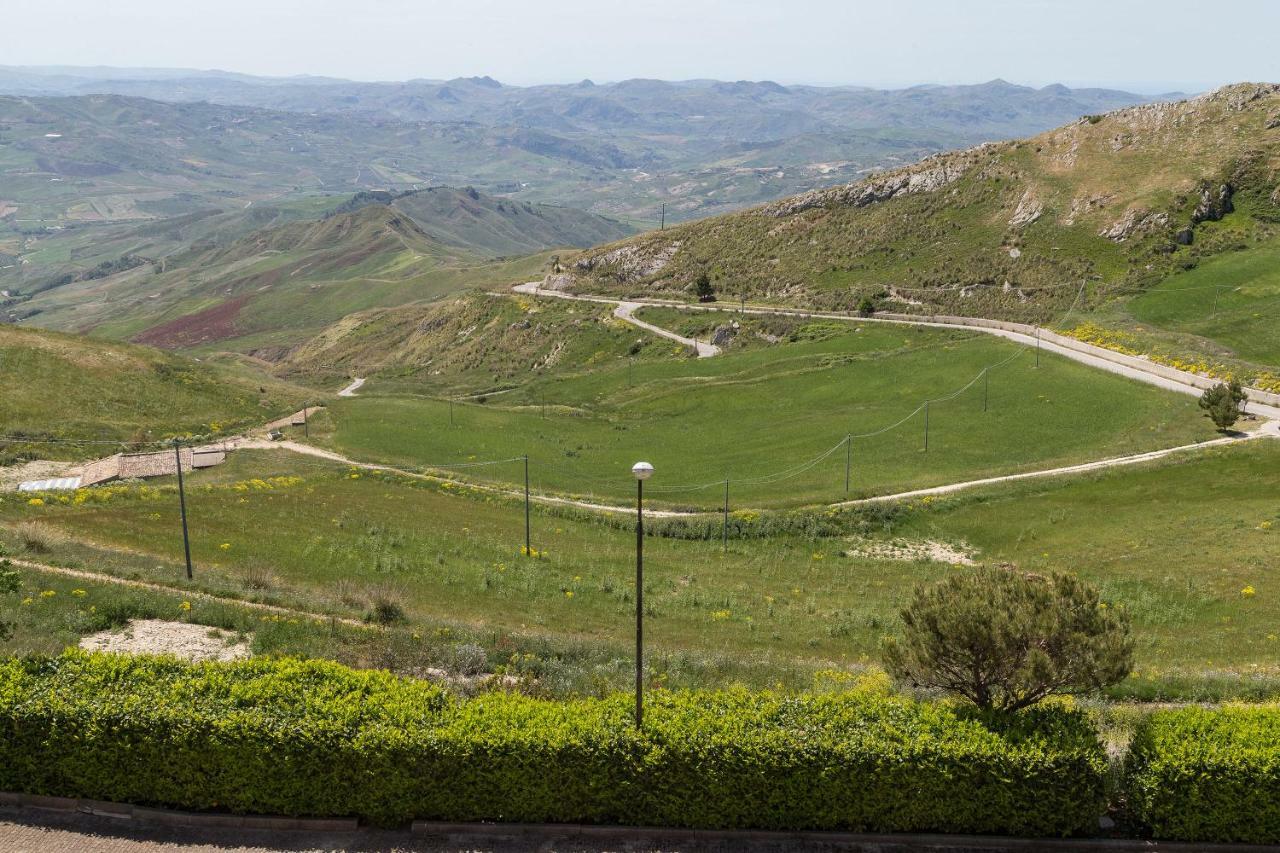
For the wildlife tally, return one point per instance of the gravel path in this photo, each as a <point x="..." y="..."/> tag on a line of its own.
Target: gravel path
<point x="177" y="590"/>
<point x="1268" y="429"/>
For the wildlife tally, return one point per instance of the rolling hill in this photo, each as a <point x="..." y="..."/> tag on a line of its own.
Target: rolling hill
<point x="216" y="281"/>
<point x="67" y="387"/>
<point x="1099" y="209"/>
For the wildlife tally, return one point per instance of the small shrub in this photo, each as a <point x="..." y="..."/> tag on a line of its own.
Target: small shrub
<point x="469" y="659"/>
<point x="1223" y="403"/>
<point x="1005" y="640"/>
<point x="349" y="593"/>
<point x="385" y="606"/>
<point x="38" y="537"/>
<point x="258" y="577"/>
<point x="703" y="288"/>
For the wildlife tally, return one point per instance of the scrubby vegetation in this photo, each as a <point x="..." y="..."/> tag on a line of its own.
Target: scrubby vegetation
<point x="289" y="738"/>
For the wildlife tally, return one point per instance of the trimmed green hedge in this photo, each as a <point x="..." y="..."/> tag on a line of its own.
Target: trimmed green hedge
<point x="1199" y="774"/>
<point x="315" y="738"/>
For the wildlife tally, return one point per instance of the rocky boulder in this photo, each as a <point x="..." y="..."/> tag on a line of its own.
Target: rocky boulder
<point x="724" y="334"/>
<point x="1214" y="203"/>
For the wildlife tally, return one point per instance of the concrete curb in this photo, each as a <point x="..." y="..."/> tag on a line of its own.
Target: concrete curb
<point x="176" y="817"/>
<point x="539" y="835"/>
<point x="734" y="839"/>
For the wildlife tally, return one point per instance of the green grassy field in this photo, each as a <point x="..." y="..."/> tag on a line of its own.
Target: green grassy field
<point x="287" y="530"/>
<point x="1232" y="300"/>
<point x="754" y="415"/>
<point x="64" y="387"/>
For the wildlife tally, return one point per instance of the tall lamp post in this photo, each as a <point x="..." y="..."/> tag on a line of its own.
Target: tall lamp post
<point x="642" y="472"/>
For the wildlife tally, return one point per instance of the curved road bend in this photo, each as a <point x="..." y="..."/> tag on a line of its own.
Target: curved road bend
<point x="1270" y="429"/>
<point x="625" y="310"/>
<point x="1100" y="362"/>
<point x="350" y="390"/>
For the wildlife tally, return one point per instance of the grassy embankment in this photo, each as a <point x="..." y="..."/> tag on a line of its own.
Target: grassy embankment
<point x="775" y="609"/>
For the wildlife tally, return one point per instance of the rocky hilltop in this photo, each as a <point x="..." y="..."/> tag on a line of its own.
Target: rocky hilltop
<point x="1111" y="202"/>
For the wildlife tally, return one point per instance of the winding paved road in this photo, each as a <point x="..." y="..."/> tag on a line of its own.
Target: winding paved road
<point x="350" y="390"/>
<point x="624" y="310"/>
<point x="1094" y="356"/>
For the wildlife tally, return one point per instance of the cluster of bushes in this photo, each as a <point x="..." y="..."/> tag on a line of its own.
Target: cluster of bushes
<point x="315" y="738"/>
<point x="1200" y="774"/>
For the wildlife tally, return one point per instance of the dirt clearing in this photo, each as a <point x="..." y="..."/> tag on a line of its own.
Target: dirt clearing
<point x="160" y="637"/>
<point x="913" y="551"/>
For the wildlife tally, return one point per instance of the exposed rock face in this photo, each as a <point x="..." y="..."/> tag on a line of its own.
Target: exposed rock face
<point x="1029" y="210"/>
<point x="1082" y="205"/>
<point x="930" y="174"/>
<point x="1214" y="204"/>
<point x="1135" y="221"/>
<point x="631" y="262"/>
<point x="1185" y="236"/>
<point x="723" y="335"/>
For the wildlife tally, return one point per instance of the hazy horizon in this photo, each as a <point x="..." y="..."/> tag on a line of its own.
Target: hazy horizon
<point x="1142" y="88"/>
<point x="1083" y="43"/>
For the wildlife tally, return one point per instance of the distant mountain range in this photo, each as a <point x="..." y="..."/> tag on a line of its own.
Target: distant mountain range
<point x="623" y="149"/>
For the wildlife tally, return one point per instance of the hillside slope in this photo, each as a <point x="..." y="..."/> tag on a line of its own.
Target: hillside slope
<point x="56" y="386"/>
<point x="494" y="227"/>
<point x="271" y="288"/>
<point x="1112" y="202"/>
<point x="477" y="342"/>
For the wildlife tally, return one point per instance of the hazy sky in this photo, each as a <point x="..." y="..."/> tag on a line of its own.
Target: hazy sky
<point x="1151" y="45"/>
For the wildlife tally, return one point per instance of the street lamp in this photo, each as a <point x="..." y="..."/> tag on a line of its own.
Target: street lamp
<point x="642" y="471"/>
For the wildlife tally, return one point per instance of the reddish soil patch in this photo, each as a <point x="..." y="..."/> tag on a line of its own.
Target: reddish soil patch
<point x="211" y="324"/>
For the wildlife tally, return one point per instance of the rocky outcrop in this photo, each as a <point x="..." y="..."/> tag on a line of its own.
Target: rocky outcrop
<point x="929" y="175"/>
<point x="1135" y="221"/>
<point x="1214" y="203"/>
<point x="630" y="262"/>
<point x="724" y="334"/>
<point x="1029" y="209"/>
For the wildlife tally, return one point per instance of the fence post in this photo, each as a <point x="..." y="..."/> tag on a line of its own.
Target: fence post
<point x="848" y="461"/>
<point x="724" y="528"/>
<point x="182" y="505"/>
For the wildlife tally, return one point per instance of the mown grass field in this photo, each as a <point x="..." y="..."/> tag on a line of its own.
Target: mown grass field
<point x="1232" y="300"/>
<point x="752" y="416"/>
<point x="329" y="540"/>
